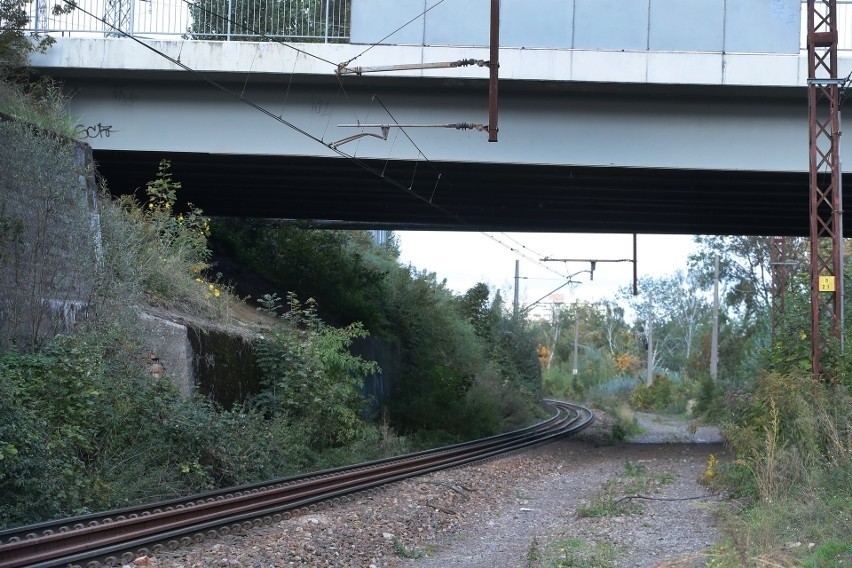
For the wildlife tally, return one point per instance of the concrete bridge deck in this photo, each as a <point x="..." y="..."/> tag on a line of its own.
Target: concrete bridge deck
<point x="590" y="139"/>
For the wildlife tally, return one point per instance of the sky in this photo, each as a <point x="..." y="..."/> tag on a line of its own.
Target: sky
<point x="464" y="259"/>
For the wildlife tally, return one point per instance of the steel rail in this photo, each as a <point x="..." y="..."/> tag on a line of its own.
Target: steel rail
<point x="116" y="537"/>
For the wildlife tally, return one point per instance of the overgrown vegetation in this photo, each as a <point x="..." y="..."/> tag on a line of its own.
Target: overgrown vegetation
<point x="466" y="368"/>
<point x="793" y="474"/>
<point x="87" y="424"/>
<point x="24" y="96"/>
<point x="619" y="495"/>
<point x="790" y="436"/>
<point x="569" y="552"/>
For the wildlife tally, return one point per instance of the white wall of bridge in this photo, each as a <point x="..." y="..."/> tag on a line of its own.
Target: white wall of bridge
<point x="580" y="107"/>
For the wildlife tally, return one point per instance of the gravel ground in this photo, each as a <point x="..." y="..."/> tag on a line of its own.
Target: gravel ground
<point x="520" y="510"/>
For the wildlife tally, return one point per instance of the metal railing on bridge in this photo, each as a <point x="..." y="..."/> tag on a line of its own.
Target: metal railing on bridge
<point x="242" y="20"/>
<point x="229" y="20"/>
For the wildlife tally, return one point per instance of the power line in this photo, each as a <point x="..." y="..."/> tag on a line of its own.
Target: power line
<point x="440" y="177"/>
<point x="524" y="255"/>
<point x="508" y="236"/>
<point x="281" y="119"/>
<point x="359" y="162"/>
<point x="409" y="22"/>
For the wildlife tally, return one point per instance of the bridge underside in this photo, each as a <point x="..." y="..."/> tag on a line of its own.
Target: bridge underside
<point x="476" y="196"/>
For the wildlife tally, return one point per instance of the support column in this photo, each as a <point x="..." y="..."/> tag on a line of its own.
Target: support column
<point x="826" y="219"/>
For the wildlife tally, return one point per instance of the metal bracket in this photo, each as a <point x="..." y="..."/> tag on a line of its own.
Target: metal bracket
<point x="382" y="136"/>
<point x="385" y="128"/>
<point x="343" y="69"/>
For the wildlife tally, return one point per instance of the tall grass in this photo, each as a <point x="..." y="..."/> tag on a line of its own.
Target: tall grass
<point x="41" y="104"/>
<point x="793" y="474"/>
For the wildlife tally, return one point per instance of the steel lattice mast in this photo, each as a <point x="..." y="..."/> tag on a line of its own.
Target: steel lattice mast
<point x="826" y="220"/>
<point x="118" y="15"/>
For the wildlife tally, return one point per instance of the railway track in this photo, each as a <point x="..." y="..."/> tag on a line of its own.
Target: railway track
<point x="117" y="537"/>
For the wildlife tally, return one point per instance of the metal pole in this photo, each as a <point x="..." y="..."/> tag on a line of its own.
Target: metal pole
<point x="778" y="261"/>
<point x="576" y="370"/>
<point x="650" y="324"/>
<point x="327" y="11"/>
<point x="714" y="338"/>
<point x="635" y="269"/>
<point x="517" y="286"/>
<point x="230" y="17"/>
<point x="494" y="66"/>
<point x="838" y="211"/>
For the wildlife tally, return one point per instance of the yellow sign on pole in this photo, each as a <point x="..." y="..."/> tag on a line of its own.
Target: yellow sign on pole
<point x="826" y="283"/>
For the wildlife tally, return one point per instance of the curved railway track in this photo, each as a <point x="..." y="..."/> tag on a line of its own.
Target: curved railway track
<point x="117" y="537"/>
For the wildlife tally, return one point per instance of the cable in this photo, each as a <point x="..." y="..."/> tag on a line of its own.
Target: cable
<point x="508" y="236"/>
<point x="270" y="114"/>
<point x="363" y="79"/>
<point x="412" y="20"/>
<point x="439" y="175"/>
<point x="359" y="162"/>
<point x="405" y="133"/>
<point x="524" y="256"/>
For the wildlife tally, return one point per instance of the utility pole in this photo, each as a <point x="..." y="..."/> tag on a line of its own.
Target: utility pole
<point x="516" y="305"/>
<point x="493" y="70"/>
<point x="714" y="338"/>
<point x="576" y="370"/>
<point x="556" y="327"/>
<point x="650" y="336"/>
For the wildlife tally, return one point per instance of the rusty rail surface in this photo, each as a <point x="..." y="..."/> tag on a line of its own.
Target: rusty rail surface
<point x="117" y="537"/>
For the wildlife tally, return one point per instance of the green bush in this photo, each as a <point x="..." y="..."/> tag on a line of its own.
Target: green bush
<point x="309" y="375"/>
<point x="328" y="266"/>
<point x="85" y="428"/>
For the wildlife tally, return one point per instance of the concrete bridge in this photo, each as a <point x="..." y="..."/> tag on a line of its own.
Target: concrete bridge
<point x="675" y="116"/>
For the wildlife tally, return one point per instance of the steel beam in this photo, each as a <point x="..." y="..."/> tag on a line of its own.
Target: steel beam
<point x="826" y="221"/>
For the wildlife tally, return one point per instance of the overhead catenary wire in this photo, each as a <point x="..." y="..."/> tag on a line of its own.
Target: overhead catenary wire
<point x="376" y="98"/>
<point x="204" y="77"/>
<point x="520" y="244"/>
<point x="279" y="118"/>
<point x="400" y="28"/>
<point x="524" y="255"/>
<point x="369" y="87"/>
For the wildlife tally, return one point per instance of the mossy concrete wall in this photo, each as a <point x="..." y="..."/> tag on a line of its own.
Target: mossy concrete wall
<point x="224" y="365"/>
<point x="49" y="233"/>
<point x="219" y="362"/>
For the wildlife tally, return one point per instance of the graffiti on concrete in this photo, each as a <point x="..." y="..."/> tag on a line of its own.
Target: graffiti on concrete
<point x="94" y="131"/>
<point x="320" y="106"/>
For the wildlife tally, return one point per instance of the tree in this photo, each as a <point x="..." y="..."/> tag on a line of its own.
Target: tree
<point x="15" y="44"/>
<point x="676" y="312"/>
<point x="300" y="20"/>
<point x="745" y="273"/>
<point x="615" y="328"/>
